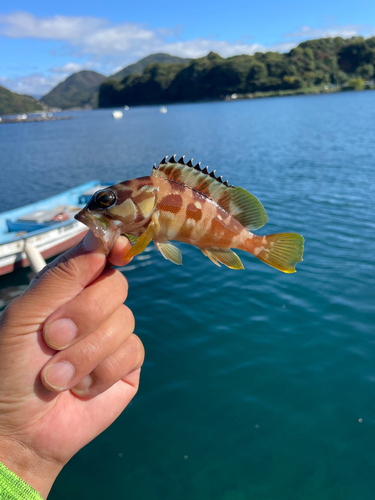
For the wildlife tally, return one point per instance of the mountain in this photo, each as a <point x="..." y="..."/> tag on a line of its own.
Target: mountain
<point x="79" y="90"/>
<point x="139" y="67"/>
<point x="325" y="64"/>
<point x="12" y="103"/>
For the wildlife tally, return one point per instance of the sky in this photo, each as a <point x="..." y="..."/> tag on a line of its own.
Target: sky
<point x="43" y="42"/>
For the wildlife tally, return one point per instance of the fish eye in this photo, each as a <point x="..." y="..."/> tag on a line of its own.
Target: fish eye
<point x="105" y="198"/>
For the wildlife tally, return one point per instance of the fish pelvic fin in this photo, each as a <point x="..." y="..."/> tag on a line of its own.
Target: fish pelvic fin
<point x="224" y="256"/>
<point x="142" y="241"/>
<point x="281" y="251"/>
<point x="170" y="252"/>
<point x="132" y="238"/>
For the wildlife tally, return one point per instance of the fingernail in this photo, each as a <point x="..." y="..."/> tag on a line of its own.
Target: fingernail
<point x="83" y="385"/>
<point x="59" y="374"/>
<point x="60" y="333"/>
<point x="91" y="242"/>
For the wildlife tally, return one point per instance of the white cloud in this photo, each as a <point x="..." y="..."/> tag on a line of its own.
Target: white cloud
<point x="35" y="84"/>
<point x="64" y="28"/>
<point x="201" y="46"/>
<point x="99" y="38"/>
<point x="124" y="43"/>
<point x="347" y="31"/>
<point x="71" y="67"/>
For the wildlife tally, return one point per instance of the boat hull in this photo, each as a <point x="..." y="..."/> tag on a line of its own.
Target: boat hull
<point x="49" y="243"/>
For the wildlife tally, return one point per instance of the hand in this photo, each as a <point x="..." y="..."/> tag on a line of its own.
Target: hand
<point x="69" y="361"/>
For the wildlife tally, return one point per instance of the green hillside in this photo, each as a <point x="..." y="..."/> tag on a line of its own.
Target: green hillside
<point x="12" y="103"/>
<point x="79" y="90"/>
<point x="326" y="64"/>
<point x="138" y="67"/>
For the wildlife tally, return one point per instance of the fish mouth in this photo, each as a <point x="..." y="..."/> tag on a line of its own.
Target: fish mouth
<point x="102" y="228"/>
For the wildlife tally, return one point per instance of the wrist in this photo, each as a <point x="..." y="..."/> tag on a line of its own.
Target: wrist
<point x="38" y="472"/>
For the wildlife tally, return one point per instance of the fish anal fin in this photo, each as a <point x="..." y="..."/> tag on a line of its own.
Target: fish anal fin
<point x="142" y="241"/>
<point x="170" y="252"/>
<point x="208" y="254"/>
<point x="224" y="256"/>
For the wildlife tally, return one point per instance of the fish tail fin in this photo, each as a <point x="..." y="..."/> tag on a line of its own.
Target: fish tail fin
<point x="281" y="251"/>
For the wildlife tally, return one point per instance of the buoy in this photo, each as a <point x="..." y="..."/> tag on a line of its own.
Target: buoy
<point x="117" y="114"/>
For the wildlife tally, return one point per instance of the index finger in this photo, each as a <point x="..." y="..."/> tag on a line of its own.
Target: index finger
<point x="120" y="248"/>
<point x="59" y="282"/>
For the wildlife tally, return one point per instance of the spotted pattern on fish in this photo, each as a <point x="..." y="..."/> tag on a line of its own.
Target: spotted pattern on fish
<point x="193" y="212"/>
<point x="171" y="203"/>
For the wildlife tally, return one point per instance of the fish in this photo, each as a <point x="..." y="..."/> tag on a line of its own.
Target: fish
<point x="184" y="202"/>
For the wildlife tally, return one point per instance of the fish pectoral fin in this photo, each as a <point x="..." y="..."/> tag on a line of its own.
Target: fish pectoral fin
<point x="142" y="241"/>
<point x="224" y="256"/>
<point x="131" y="237"/>
<point x="170" y="252"/>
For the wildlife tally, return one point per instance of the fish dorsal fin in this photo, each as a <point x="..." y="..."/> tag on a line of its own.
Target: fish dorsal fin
<point x="238" y="202"/>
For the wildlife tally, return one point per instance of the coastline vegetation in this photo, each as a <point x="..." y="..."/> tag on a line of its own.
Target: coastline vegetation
<point x="314" y="66"/>
<point x="12" y="103"/>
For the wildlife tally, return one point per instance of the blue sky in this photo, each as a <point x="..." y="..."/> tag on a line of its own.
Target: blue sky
<point x="42" y="42"/>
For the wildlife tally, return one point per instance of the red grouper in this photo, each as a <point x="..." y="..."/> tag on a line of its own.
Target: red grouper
<point x="183" y="202"/>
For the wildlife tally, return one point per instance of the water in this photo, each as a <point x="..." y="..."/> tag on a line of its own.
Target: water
<point x="256" y="384"/>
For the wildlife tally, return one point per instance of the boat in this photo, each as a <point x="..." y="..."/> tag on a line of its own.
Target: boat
<point x="163" y="110"/>
<point x="43" y="229"/>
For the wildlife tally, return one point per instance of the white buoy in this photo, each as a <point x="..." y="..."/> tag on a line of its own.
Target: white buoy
<point x="117" y="115"/>
<point x="163" y="109"/>
<point x="35" y="257"/>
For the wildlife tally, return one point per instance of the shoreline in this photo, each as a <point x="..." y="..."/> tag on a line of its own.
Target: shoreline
<point x="34" y="119"/>
<point x="248" y="96"/>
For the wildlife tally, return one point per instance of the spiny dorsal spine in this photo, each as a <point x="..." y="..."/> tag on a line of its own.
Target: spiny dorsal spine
<point x="181" y="161"/>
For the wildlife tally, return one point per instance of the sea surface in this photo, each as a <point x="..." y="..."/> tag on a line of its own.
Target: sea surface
<point x="257" y="384"/>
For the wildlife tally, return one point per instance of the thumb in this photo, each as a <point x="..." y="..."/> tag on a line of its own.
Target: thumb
<point x="59" y="282"/>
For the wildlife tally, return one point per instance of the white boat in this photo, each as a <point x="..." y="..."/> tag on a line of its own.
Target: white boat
<point x="117" y="114"/>
<point x="43" y="229"/>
